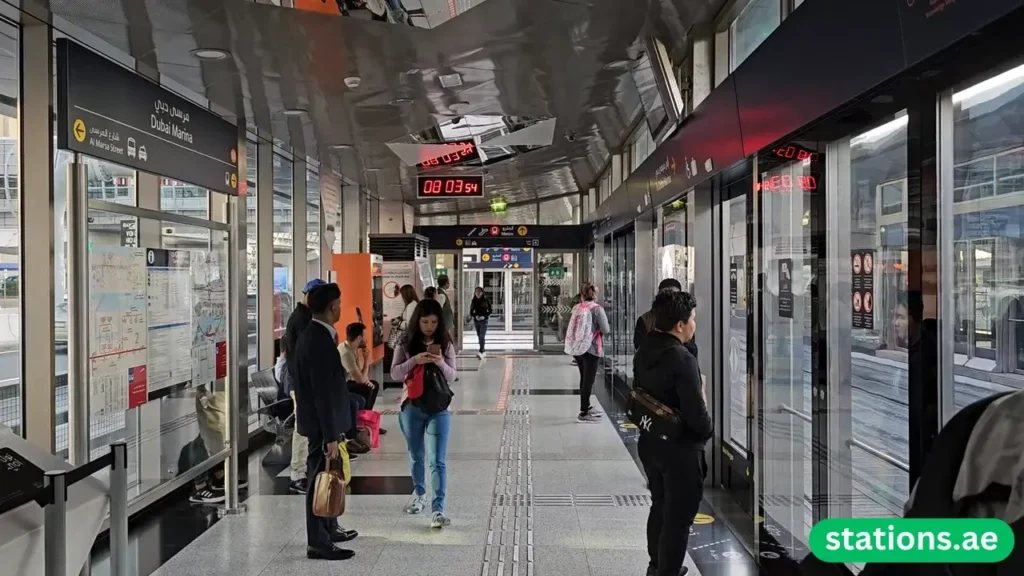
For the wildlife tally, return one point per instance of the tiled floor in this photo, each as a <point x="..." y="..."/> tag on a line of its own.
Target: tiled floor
<point x="530" y="492"/>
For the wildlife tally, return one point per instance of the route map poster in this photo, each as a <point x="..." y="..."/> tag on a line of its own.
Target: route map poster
<point x="209" y="316"/>
<point x="118" y="336"/>
<point x="169" y="283"/>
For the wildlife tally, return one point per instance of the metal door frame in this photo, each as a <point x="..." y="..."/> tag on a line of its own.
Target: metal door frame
<point x="576" y="267"/>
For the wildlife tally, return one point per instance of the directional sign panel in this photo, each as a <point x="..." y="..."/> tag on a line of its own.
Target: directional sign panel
<point x="109" y="112"/>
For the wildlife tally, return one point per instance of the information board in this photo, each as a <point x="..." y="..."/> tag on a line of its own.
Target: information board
<point x="169" y="279"/>
<point x="109" y="112"/>
<point x="785" y="288"/>
<point x="21" y="480"/>
<point x="118" y="335"/>
<point x="209" y="317"/>
<point x="863" y="264"/>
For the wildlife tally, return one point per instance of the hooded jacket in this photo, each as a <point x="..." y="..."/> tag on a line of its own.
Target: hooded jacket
<point x="666" y="369"/>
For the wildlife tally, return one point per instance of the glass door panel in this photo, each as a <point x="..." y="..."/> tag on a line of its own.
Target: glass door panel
<point x="557" y="284"/>
<point x="494" y="285"/>
<point x="521" y="298"/>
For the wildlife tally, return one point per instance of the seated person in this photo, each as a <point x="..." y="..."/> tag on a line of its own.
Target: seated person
<point x="355" y="359"/>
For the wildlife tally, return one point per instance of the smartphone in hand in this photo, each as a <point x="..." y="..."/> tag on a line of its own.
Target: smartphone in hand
<point x="434" y="349"/>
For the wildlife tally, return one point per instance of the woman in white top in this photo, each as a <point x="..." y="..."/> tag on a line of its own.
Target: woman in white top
<point x="410" y="299"/>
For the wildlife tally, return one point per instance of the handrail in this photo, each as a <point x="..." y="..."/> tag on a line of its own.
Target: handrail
<point x="783" y="408"/>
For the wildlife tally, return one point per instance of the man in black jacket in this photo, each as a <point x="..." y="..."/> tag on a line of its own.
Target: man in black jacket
<point x="322" y="411"/>
<point x="675" y="469"/>
<point x="645" y="323"/>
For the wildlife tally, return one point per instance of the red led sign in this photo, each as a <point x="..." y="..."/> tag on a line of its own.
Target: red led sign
<point x="787" y="183"/>
<point x="450" y="186"/>
<point x="792" y="152"/>
<point x="467" y="152"/>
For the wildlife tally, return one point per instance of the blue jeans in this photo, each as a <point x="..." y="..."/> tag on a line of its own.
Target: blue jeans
<point x="481" y="332"/>
<point x="426" y="432"/>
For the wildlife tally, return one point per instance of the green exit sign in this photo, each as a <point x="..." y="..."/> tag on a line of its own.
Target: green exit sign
<point x="556" y="272"/>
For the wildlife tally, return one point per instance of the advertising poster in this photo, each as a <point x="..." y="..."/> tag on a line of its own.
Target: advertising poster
<point x="733" y="289"/>
<point x="863" y="263"/>
<point x="169" y="276"/>
<point x="395" y="275"/>
<point x="118" y="336"/>
<point x="786" y="288"/>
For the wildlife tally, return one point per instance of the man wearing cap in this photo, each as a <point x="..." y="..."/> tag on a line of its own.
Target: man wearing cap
<point x="297" y="323"/>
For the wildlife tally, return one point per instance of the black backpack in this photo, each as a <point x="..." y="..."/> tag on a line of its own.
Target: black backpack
<point x="437" y="395"/>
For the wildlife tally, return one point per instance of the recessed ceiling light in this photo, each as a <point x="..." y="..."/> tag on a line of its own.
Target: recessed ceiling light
<point x="210" y="53"/>
<point x="400" y="101"/>
<point x="293" y="111"/>
<point x="341" y="146"/>
<point x="450" y="80"/>
<point x="458" y="106"/>
<point x="593" y="109"/>
<point x="616" y="65"/>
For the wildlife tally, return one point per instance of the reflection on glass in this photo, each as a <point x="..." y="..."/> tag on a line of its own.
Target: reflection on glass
<point x="734" y="230"/>
<point x="282" y="243"/>
<point x="988" y="224"/>
<point x="251" y="265"/>
<point x="881" y="336"/>
<point x="181" y="198"/>
<point x="757" y="21"/>
<point x="786" y="332"/>
<point x="619" y="300"/>
<point x="557" y="289"/>
<point x="10" y="236"/>
<point x="312" y="224"/>
<point x="674" y="256"/>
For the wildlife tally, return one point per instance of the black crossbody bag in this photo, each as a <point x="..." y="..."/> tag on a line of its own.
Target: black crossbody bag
<point x="652" y="416"/>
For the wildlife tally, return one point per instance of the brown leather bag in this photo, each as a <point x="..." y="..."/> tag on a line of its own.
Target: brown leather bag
<point x="329" y="491"/>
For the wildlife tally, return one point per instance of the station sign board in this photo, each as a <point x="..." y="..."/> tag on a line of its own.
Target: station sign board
<point x="109" y="112"/>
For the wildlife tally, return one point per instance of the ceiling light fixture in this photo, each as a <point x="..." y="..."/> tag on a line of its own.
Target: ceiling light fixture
<point x="210" y="53"/>
<point x="450" y="80"/>
<point x="293" y="111"/>
<point x="353" y="82"/>
<point x="458" y="106"/>
<point x="593" y="109"/>
<point x="341" y="146"/>
<point x="400" y="101"/>
<point x="616" y="65"/>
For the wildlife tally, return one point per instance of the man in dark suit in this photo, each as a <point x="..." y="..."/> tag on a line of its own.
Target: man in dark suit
<point x="322" y="412"/>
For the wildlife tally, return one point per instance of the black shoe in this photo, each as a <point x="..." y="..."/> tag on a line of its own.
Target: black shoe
<point x="341" y="535"/>
<point x="297" y="486"/>
<point x="208" y="496"/>
<point x="353" y="456"/>
<point x="328" y="553"/>
<point x="383" y="431"/>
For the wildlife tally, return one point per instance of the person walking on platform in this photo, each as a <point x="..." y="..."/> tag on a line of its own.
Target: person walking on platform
<point x="584" y="341"/>
<point x="480" y="311"/>
<point x="296" y="325"/>
<point x="448" y="314"/>
<point x="322" y="412"/>
<point x="423" y="420"/>
<point x="645" y="323"/>
<point x="675" y="466"/>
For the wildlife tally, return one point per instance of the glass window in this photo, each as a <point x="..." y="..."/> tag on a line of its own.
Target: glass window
<point x="10" y="234"/>
<point x="734" y="321"/>
<point x="988" y="236"/>
<point x="757" y="20"/>
<point x="251" y="267"/>
<point x="620" y="303"/>
<point x="313" y="223"/>
<point x="185" y="199"/>
<point x="674" y="255"/>
<point x="282" y="243"/>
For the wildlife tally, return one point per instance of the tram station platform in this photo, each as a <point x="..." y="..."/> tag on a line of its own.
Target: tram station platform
<point x="530" y="492"/>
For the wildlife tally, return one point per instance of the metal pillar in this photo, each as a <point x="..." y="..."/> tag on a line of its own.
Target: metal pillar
<point x="78" y="312"/>
<point x="118" y="509"/>
<point x="55" y="529"/>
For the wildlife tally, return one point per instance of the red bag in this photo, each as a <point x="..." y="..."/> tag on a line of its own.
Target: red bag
<point x="370" y="420"/>
<point x="414" y="383"/>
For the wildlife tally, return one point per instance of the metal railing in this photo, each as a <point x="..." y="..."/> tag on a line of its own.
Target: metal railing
<point x="53" y="498"/>
<point x="852" y="442"/>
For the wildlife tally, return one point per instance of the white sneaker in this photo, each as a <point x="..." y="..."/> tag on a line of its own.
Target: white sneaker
<point x="417" y="504"/>
<point x="588" y="419"/>
<point x="595" y="412"/>
<point x="440" y="520"/>
<point x="480" y="355"/>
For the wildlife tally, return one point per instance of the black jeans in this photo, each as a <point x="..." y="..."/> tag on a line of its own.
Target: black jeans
<point x="587" y="365"/>
<point x="355" y="403"/>
<point x="481" y="332"/>
<point x="318" y="530"/>
<point x="368" y="394"/>
<point x="676" y="477"/>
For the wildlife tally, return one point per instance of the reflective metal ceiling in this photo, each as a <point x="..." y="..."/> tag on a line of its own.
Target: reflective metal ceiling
<point x="540" y="58"/>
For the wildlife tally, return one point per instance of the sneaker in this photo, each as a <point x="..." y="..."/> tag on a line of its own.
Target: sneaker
<point x="439" y="520"/>
<point x="595" y="412"/>
<point x="480" y="355"/>
<point x="588" y="419"/>
<point x="297" y="486"/>
<point x="416" y="504"/>
<point x="208" y="496"/>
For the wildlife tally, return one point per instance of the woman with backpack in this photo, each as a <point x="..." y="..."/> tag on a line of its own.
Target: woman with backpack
<point x="584" y="342"/>
<point x="425" y="362"/>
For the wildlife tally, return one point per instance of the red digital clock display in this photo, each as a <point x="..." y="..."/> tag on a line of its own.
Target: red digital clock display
<point x="787" y="183"/>
<point x="450" y="187"/>
<point x="792" y="152"/>
<point x="466" y="152"/>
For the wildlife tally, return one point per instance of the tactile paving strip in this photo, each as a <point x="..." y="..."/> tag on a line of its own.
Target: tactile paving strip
<point x="509" y="546"/>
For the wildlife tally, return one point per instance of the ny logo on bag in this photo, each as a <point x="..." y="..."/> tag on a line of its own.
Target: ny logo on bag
<point x="645" y="423"/>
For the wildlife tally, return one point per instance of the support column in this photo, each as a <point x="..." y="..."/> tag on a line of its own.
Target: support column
<point x="644" y="255"/>
<point x="148" y="454"/>
<point x="265" y="252"/>
<point x="702" y="77"/>
<point x="37" y="221"/>
<point x="721" y="55"/>
<point x="709" y="254"/>
<point x="354" y="216"/>
<point x="300" y="252"/>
